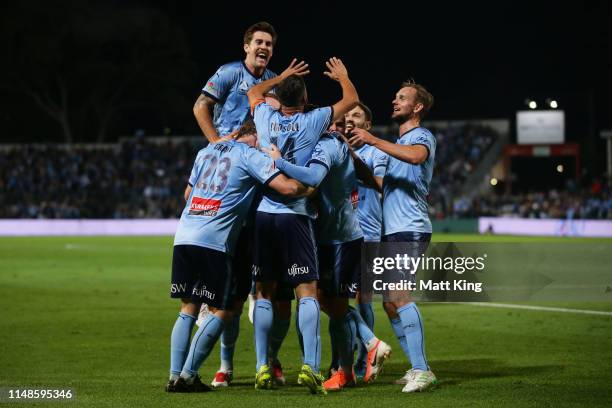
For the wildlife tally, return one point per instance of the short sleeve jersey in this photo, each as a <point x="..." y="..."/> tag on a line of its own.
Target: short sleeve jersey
<point x="229" y="87"/>
<point x="369" y="210"/>
<point x="296" y="136"/>
<point x="406" y="186"/>
<point x="337" y="214"/>
<point x="224" y="180"/>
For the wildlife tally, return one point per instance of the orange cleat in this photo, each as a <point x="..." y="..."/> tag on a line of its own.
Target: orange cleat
<point x="376" y="358"/>
<point x="339" y="380"/>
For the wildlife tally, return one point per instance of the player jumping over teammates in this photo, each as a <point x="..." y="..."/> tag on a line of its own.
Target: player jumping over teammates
<point x="405" y="216"/>
<point x="285" y="243"/>
<point x="221" y="189"/>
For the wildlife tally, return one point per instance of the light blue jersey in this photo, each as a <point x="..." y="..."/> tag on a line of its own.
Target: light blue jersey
<point x="331" y="169"/>
<point x="369" y="210"/>
<point x="224" y="180"/>
<point x="296" y="136"/>
<point x="229" y="87"/>
<point x="406" y="186"/>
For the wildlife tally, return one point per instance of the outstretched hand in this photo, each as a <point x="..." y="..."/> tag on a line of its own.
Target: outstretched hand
<point x="272" y="151"/>
<point x="360" y="136"/>
<point x="336" y="68"/>
<point x="295" y="68"/>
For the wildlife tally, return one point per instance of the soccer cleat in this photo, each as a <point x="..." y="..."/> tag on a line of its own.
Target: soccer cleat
<point x="407" y="377"/>
<point x="339" y="381"/>
<point x="222" y="379"/>
<point x="420" y="381"/>
<point x="202" y="315"/>
<point x="376" y="358"/>
<point x="277" y="373"/>
<point x="181" y="385"/>
<point x="263" y="378"/>
<point x="312" y="380"/>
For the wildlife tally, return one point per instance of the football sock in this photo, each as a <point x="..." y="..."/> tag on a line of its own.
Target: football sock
<point x="299" y="333"/>
<point x="280" y="327"/>
<point x="334" y="344"/>
<point x="413" y="330"/>
<point x="365" y="335"/>
<point x="367" y="314"/>
<point x="202" y="344"/>
<point x="228" y="343"/>
<point x="262" y="321"/>
<point x="343" y="339"/>
<point x="399" y="333"/>
<point x="309" y="321"/>
<point x="179" y="343"/>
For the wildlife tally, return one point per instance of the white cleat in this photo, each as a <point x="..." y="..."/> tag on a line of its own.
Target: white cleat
<point x="202" y="315"/>
<point x="420" y="381"/>
<point x="222" y="379"/>
<point x="407" y="377"/>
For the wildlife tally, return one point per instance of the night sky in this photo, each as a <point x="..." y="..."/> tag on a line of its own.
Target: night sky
<point x="479" y="60"/>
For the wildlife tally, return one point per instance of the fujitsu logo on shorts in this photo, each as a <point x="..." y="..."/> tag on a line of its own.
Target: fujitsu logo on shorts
<point x="202" y="292"/>
<point x="297" y="270"/>
<point x="204" y="206"/>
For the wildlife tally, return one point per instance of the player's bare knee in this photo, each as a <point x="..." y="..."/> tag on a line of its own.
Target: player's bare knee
<point x="190" y="308"/>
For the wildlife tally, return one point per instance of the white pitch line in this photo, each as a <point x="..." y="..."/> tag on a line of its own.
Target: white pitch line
<point x="539" y="308"/>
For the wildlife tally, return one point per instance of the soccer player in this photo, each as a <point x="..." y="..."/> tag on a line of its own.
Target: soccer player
<point x="339" y="239"/>
<point x="369" y="210"/>
<point x="220" y="110"/>
<point x="221" y="189"/>
<point x="405" y="216"/>
<point x="285" y="246"/>
<point x="223" y="105"/>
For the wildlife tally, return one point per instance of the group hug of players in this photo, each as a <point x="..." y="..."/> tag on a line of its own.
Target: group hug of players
<point x="278" y="206"/>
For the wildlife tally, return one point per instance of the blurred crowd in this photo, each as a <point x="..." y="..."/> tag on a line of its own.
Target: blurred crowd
<point x="593" y="202"/>
<point x="139" y="178"/>
<point x="134" y="179"/>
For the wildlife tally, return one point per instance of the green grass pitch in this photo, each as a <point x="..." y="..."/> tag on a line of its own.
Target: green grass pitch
<point x="94" y="314"/>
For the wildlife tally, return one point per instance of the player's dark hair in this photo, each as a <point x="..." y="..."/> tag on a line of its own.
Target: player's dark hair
<point x="247" y="128"/>
<point x="291" y="91"/>
<point x="367" y="111"/>
<point x="422" y="96"/>
<point x="260" y="26"/>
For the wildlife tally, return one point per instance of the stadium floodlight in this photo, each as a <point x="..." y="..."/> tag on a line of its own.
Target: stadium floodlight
<point x="532" y="104"/>
<point x="552" y="103"/>
<point x="493" y="181"/>
<point x="559" y="168"/>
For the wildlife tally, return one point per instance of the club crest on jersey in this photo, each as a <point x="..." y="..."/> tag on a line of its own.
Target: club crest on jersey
<point x="354" y="199"/>
<point x="204" y="206"/>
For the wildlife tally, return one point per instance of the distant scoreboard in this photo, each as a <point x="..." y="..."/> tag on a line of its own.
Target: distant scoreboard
<point x="540" y="127"/>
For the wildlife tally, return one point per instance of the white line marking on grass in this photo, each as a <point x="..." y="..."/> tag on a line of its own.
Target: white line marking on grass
<point x="539" y="308"/>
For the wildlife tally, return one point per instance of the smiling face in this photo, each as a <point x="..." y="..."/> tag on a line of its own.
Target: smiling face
<point x="405" y="105"/>
<point x="356" y="118"/>
<point x="259" y="51"/>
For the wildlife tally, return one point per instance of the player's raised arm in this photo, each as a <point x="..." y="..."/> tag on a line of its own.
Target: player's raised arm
<point x="412" y="154"/>
<point x="311" y="175"/>
<point x="338" y="72"/>
<point x="203" y="111"/>
<point x="257" y="92"/>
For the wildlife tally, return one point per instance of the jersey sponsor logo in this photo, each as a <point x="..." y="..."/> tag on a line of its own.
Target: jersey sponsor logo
<point x="355" y="198"/>
<point x="210" y="85"/>
<point x="284" y="127"/>
<point x="204" y="206"/>
<point x="348" y="287"/>
<point x="203" y="292"/>
<point x="297" y="270"/>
